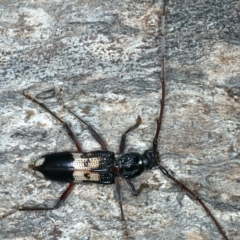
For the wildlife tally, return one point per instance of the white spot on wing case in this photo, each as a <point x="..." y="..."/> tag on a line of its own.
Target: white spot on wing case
<point x="80" y="176"/>
<point x="39" y="162"/>
<point x="85" y="163"/>
<point x="39" y="174"/>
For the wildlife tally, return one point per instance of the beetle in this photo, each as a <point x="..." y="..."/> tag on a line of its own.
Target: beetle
<point x="103" y="166"/>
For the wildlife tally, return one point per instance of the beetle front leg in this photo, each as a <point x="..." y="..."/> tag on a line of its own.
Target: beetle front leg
<point x="123" y="139"/>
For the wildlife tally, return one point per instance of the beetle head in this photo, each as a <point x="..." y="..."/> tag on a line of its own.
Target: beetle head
<point x="150" y="159"/>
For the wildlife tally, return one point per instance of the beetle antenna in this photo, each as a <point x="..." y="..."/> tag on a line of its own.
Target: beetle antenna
<point x="183" y="187"/>
<point x="194" y="196"/>
<point x="159" y="119"/>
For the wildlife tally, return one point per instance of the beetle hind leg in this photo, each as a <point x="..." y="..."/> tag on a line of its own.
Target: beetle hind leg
<point x="95" y="135"/>
<point x="59" y="203"/>
<point x="65" y="125"/>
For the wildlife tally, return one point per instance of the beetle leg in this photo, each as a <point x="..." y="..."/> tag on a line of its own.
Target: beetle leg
<point x="119" y="197"/>
<point x="132" y="188"/>
<point x="123" y="140"/>
<point x="59" y="203"/>
<point x="69" y="131"/>
<point x="9" y="213"/>
<point x="69" y="189"/>
<point x="95" y="135"/>
<point x="194" y="196"/>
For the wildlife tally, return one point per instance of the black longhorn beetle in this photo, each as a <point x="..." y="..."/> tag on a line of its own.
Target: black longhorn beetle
<point x="102" y="166"/>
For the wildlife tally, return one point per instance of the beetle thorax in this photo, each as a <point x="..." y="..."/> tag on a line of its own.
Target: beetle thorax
<point x="133" y="164"/>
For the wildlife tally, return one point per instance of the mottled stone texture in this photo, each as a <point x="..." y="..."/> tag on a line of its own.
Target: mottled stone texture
<point x="105" y="56"/>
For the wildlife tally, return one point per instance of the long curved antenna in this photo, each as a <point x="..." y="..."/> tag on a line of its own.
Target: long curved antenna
<point x="194" y="196"/>
<point x="189" y="192"/>
<point x="159" y="119"/>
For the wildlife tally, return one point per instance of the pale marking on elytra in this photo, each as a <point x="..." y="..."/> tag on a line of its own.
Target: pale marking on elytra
<point x="39" y="162"/>
<point x="85" y="163"/>
<point x="86" y="175"/>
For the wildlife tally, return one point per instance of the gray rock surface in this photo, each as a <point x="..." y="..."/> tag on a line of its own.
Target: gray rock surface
<point x="105" y="56"/>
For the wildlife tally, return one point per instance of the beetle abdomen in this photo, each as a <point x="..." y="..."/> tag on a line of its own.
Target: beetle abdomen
<point x="77" y="167"/>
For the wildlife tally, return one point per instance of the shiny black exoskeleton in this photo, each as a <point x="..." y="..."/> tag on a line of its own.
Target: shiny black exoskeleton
<point x="102" y="166"/>
<point x="133" y="164"/>
<point x="98" y="166"/>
